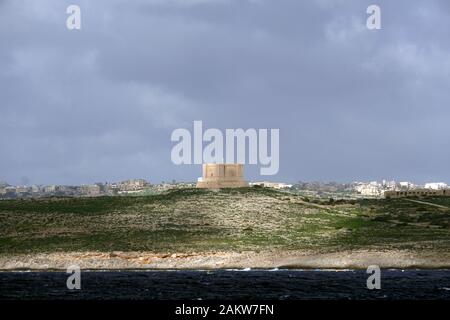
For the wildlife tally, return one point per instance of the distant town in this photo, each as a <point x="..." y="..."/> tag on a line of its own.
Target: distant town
<point x="127" y="187"/>
<point x="333" y="190"/>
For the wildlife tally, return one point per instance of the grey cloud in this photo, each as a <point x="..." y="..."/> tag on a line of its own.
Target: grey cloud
<point x="99" y="104"/>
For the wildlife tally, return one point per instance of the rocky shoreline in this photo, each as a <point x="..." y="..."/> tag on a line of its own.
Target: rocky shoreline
<point x="360" y="259"/>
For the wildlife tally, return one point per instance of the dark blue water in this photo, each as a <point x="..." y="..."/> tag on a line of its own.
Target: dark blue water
<point x="221" y="284"/>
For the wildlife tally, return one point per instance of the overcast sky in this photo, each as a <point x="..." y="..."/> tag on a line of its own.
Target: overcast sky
<point x="100" y="103"/>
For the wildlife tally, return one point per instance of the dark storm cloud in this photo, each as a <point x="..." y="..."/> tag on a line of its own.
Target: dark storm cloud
<point x="99" y="104"/>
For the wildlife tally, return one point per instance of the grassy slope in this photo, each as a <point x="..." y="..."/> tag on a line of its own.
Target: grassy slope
<point x="236" y="219"/>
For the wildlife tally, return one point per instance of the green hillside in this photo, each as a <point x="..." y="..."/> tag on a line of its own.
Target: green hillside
<point x="192" y="220"/>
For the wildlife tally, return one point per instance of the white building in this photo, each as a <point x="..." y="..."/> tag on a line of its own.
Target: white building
<point x="435" y="185"/>
<point x="36" y="188"/>
<point x="370" y="190"/>
<point x="51" y="188"/>
<point x="275" y="185"/>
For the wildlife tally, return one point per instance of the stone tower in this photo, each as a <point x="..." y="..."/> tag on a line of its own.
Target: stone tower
<point x="216" y="176"/>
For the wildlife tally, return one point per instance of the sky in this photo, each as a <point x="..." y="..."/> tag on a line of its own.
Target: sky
<point x="99" y="104"/>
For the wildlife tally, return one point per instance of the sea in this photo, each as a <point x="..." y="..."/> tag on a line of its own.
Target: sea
<point x="227" y="284"/>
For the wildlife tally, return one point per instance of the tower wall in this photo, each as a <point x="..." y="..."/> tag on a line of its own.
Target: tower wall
<point x="216" y="176"/>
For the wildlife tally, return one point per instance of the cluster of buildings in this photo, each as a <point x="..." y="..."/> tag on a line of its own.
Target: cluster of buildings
<point x="274" y="185"/>
<point x="97" y="189"/>
<point x="392" y="188"/>
<point x="134" y="186"/>
<point x="374" y="188"/>
<point x="216" y="176"/>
